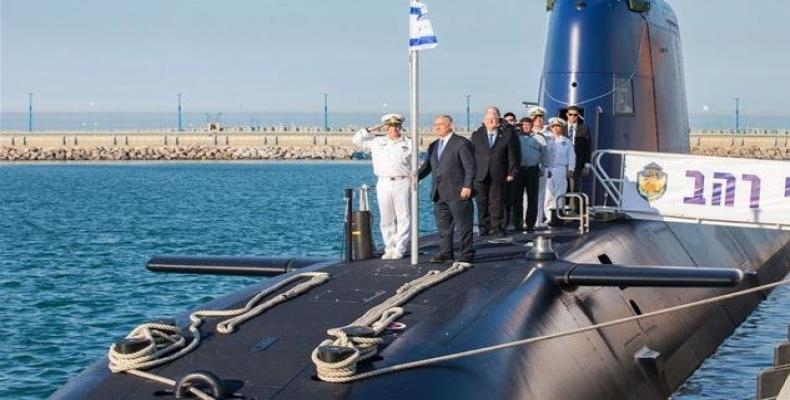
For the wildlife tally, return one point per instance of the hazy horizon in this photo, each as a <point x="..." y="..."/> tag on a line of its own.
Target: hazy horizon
<point x="456" y="110"/>
<point x="281" y="56"/>
<point x="101" y="121"/>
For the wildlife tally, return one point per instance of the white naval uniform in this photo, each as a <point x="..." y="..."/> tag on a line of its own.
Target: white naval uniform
<point x="542" y="181"/>
<point x="561" y="162"/>
<point x="392" y="167"/>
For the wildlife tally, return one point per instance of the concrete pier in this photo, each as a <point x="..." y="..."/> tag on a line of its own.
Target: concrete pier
<point x="297" y="143"/>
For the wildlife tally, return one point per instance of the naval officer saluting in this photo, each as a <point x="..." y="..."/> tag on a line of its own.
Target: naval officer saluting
<point x="561" y="161"/>
<point x="540" y="133"/>
<point x="391" y="156"/>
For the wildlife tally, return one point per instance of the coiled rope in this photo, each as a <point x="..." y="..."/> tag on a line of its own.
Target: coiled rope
<point x="474" y="352"/>
<point x="166" y="342"/>
<point x="360" y="338"/>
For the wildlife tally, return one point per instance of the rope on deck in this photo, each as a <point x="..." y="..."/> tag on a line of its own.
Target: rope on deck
<point x="488" y="349"/>
<point x="164" y="342"/>
<point x="359" y="339"/>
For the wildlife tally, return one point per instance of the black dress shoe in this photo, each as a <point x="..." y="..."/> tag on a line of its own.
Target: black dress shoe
<point x="466" y="259"/>
<point x="484" y="233"/>
<point x="441" y="259"/>
<point x="499" y="234"/>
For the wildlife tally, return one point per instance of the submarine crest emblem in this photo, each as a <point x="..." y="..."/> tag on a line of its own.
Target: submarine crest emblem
<point x="651" y="182"/>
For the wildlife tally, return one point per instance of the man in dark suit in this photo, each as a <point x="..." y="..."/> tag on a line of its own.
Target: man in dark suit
<point x="451" y="163"/>
<point x="497" y="156"/>
<point x="580" y="136"/>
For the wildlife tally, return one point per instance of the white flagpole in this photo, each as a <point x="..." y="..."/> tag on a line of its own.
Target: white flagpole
<point x="421" y="36"/>
<point x="415" y="146"/>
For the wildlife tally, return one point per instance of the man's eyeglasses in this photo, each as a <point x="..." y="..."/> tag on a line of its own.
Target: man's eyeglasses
<point x="573" y="115"/>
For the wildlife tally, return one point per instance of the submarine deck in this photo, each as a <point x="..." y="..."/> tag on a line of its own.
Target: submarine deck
<point x="279" y="349"/>
<point x="495" y="301"/>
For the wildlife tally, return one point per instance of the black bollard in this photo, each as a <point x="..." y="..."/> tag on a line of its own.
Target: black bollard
<point x="362" y="235"/>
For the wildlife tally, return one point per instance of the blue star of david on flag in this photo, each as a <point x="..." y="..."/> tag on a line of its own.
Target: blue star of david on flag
<point x="421" y="36"/>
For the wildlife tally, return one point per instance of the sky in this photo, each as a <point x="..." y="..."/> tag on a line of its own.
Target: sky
<point x="283" y="55"/>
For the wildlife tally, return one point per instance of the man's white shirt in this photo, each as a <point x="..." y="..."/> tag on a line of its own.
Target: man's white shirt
<point x="560" y="152"/>
<point x="391" y="158"/>
<point x="443" y="143"/>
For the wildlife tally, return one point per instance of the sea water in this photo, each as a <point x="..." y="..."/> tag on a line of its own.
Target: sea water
<point x="74" y="238"/>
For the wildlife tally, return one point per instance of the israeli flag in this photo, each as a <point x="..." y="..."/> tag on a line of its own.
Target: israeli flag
<point x="421" y="36"/>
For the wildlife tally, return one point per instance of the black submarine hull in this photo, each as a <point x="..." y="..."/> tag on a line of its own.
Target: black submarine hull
<point x="502" y="298"/>
<point x="622" y="63"/>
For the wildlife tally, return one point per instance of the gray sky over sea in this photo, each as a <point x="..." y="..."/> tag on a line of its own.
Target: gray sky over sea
<point x="282" y="55"/>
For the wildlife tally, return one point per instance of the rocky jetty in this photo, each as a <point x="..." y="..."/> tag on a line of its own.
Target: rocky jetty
<point x="229" y="153"/>
<point x="163" y="153"/>
<point x="766" y="153"/>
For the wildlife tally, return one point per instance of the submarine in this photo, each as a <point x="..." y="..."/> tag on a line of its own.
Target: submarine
<point x="362" y="329"/>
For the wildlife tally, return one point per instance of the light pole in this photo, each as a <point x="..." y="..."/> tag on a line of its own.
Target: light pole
<point x="326" y="112"/>
<point x="180" y="127"/>
<point x="90" y="116"/>
<point x="468" y="116"/>
<point x="737" y="115"/>
<point x="30" y="112"/>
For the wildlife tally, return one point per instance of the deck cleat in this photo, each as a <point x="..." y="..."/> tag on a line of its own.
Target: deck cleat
<point x="130" y="345"/>
<point x="359" y="331"/>
<point x="335" y="354"/>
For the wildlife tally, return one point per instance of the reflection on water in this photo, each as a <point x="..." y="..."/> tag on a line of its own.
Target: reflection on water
<point x="731" y="372"/>
<point x="74" y="239"/>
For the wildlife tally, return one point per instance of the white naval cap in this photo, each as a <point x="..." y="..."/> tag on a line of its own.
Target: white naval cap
<point x="392" y="119"/>
<point x="535" y="111"/>
<point x="558" y="121"/>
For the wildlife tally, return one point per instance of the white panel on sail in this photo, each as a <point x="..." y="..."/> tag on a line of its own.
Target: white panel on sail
<point x="702" y="189"/>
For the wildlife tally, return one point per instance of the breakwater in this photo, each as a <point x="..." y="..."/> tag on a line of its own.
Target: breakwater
<point x="744" y="152"/>
<point x="333" y="145"/>
<point x="186" y="152"/>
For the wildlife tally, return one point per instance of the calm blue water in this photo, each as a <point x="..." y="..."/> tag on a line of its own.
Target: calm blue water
<point x="731" y="372"/>
<point x="74" y="238"/>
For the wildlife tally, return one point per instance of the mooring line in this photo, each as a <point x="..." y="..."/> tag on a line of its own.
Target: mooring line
<point x="488" y="349"/>
<point x="160" y="343"/>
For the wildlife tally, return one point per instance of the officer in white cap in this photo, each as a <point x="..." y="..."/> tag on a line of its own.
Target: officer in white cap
<point x="391" y="154"/>
<point x="538" y="114"/>
<point x="561" y="161"/>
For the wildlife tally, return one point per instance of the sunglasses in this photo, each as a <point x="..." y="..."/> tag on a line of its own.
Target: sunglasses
<point x="573" y="115"/>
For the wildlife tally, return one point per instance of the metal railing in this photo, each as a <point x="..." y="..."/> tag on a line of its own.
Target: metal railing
<point x="613" y="187"/>
<point x="582" y="214"/>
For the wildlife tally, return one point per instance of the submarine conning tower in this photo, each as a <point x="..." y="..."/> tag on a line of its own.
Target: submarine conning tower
<point x="621" y="61"/>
